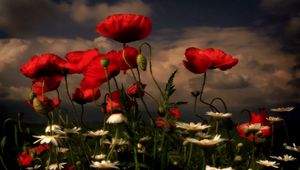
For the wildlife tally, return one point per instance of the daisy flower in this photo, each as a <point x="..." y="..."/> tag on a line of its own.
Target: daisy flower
<point x="213" y="168"/>
<point x="46" y="139"/>
<point x="285" y="158"/>
<point x="56" y="166"/>
<point x="74" y="130"/>
<point x="206" y="142"/>
<point x="97" y="133"/>
<point x="282" y="109"/>
<point x="267" y="163"/>
<point x="116" y="118"/>
<point x="54" y="128"/>
<point x="99" y="156"/>
<point x="192" y="126"/>
<point x="218" y="115"/>
<point x="274" y="119"/>
<point x="104" y="164"/>
<point x="293" y="148"/>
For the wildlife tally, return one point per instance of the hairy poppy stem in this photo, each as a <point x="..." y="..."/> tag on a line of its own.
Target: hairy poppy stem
<point x="150" y="65"/>
<point x="222" y="101"/>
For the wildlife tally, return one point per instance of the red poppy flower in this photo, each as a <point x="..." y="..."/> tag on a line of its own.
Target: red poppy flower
<point x="135" y="91"/>
<point x="125" y="27"/>
<point x="94" y="74"/>
<point x="82" y="96"/>
<point x="24" y="159"/>
<point x="114" y="102"/>
<point x="255" y="118"/>
<point x="175" y="112"/>
<point x="199" y="61"/>
<point x="161" y="122"/>
<point x="45" y="65"/>
<point x="46" y="84"/>
<point x="38" y="150"/>
<point x="77" y="61"/>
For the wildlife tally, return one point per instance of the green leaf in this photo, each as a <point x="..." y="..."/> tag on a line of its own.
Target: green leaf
<point x="170" y="87"/>
<point x="3" y="143"/>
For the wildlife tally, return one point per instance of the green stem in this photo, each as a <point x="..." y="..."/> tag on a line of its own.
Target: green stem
<point x="201" y="94"/>
<point x="190" y="155"/>
<point x="110" y="95"/>
<point x="136" y="161"/>
<point x="272" y="139"/>
<point x="222" y="101"/>
<point x="69" y="96"/>
<point x="116" y="83"/>
<point x="195" y="105"/>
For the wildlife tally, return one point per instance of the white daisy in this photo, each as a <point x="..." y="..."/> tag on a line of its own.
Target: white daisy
<point x="97" y="133"/>
<point x="35" y="167"/>
<point x="293" y="148"/>
<point x="267" y="163"/>
<point x="254" y="127"/>
<point x="203" y="135"/>
<point x="46" y="139"/>
<point x="213" y="168"/>
<point x="192" y="126"/>
<point x="62" y="150"/>
<point x="116" y="141"/>
<point x="116" y="118"/>
<point x="285" y="158"/>
<point x="74" y="130"/>
<point x="104" y="164"/>
<point x="274" y="119"/>
<point x="282" y="109"/>
<point x="56" y="166"/>
<point x="99" y="156"/>
<point x="206" y="142"/>
<point x="54" y="128"/>
<point x="218" y="115"/>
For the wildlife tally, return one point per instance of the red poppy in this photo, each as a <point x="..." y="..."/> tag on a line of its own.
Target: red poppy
<point x="255" y="118"/>
<point x="42" y="104"/>
<point x="199" y="61"/>
<point x="38" y="150"/>
<point x="82" y="96"/>
<point x="45" y="65"/>
<point x="125" y="27"/>
<point x="135" y="91"/>
<point x="161" y="122"/>
<point x="46" y="84"/>
<point x="77" y="61"/>
<point x="130" y="54"/>
<point x="175" y="112"/>
<point x="94" y="74"/>
<point x="24" y="159"/>
<point x="114" y="102"/>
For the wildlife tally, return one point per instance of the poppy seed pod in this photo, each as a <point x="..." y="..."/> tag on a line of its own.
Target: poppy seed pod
<point x="105" y="62"/>
<point x="142" y="62"/>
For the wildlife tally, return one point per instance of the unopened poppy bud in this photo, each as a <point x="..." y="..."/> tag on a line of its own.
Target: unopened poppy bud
<point x="38" y="106"/>
<point x="195" y="93"/>
<point x="141" y="61"/>
<point x="161" y="110"/>
<point x="104" y="62"/>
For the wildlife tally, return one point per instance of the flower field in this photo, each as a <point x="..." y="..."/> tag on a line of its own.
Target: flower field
<point x="130" y="135"/>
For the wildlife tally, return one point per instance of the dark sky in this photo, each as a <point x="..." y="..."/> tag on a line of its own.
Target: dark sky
<point x="262" y="34"/>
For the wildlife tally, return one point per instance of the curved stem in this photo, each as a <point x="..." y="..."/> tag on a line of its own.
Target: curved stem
<point x="222" y="101"/>
<point x="150" y="65"/>
<point x="201" y="94"/>
<point x="116" y="83"/>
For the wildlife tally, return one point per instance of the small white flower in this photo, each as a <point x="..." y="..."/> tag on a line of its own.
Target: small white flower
<point x="285" y="158"/>
<point x="192" y="126"/>
<point x="104" y="164"/>
<point x="274" y="119"/>
<point x="56" y="166"/>
<point x="116" y="118"/>
<point x="97" y="133"/>
<point x="99" y="156"/>
<point x="218" y="115"/>
<point x="293" y="148"/>
<point x="74" y="130"/>
<point x="116" y="141"/>
<point x="54" y="128"/>
<point x="282" y="109"/>
<point x="255" y="127"/>
<point x="206" y="142"/>
<point x="62" y="150"/>
<point x="267" y="163"/>
<point x="46" y="139"/>
<point x="203" y="135"/>
<point x="213" y="168"/>
<point x="35" y="167"/>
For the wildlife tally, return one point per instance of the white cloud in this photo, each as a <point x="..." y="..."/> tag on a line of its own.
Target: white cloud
<point x="80" y="12"/>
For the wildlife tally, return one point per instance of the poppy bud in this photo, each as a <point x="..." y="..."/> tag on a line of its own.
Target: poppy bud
<point x="161" y="110"/>
<point x="141" y="61"/>
<point x="38" y="106"/>
<point x="104" y="62"/>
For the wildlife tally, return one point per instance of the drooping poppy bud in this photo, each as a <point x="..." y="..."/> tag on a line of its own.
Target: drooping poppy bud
<point x="142" y="62"/>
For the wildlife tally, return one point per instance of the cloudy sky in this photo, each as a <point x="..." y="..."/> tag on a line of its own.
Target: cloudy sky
<point x="263" y="34"/>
